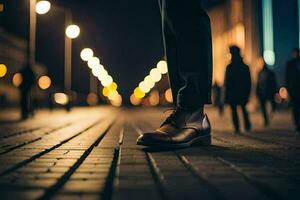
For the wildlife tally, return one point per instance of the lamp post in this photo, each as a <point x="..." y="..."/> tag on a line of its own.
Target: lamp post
<point x="71" y="32"/>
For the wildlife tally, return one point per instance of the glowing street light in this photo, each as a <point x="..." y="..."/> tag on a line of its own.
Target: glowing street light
<point x="162" y="66"/>
<point x="44" y="82"/>
<point x="86" y="54"/>
<point x="93" y="62"/>
<point x="107" y="81"/>
<point x="72" y="31"/>
<point x="3" y="70"/>
<point x="42" y="7"/>
<point x="17" y="79"/>
<point x="155" y="74"/>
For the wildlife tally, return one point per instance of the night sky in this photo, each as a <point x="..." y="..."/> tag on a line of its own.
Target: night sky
<point x="125" y="35"/>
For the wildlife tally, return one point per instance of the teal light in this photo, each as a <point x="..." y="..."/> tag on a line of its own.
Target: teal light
<point x="299" y="21"/>
<point x="268" y="37"/>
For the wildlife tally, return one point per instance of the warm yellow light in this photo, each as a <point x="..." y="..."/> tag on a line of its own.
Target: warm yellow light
<point x="61" y="98"/>
<point x="102" y="75"/>
<point x="17" y="79"/>
<point x="97" y="70"/>
<point x="144" y="87"/>
<point x="155" y="75"/>
<point x="135" y="101"/>
<point x="138" y="93"/>
<point x="162" y="66"/>
<point x="86" y="54"/>
<point x="168" y="95"/>
<point x="154" y="98"/>
<point x="44" y="82"/>
<point x="72" y="31"/>
<point x="42" y="7"/>
<point x="112" y="94"/>
<point x="113" y="86"/>
<point x="149" y="81"/>
<point x="117" y="101"/>
<point x="283" y="93"/>
<point x="92" y="99"/>
<point x="3" y="70"/>
<point x="107" y="81"/>
<point x="105" y="91"/>
<point x="93" y="62"/>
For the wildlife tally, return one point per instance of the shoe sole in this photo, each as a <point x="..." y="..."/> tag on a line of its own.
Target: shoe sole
<point x="201" y="140"/>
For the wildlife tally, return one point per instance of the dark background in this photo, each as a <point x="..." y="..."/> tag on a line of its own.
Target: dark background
<point x="125" y="35"/>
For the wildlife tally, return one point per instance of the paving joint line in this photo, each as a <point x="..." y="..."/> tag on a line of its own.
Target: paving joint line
<point x="32" y="141"/>
<point x="50" y="192"/>
<point x="38" y="155"/>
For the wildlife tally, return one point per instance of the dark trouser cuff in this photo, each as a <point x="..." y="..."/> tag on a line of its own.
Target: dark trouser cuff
<point x="192" y="102"/>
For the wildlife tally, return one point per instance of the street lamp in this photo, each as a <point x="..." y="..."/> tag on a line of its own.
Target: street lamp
<point x="86" y="54"/>
<point x="72" y="31"/>
<point x="42" y="7"/>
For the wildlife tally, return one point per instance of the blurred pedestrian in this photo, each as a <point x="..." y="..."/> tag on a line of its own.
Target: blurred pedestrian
<point x="217" y="98"/>
<point x="292" y="78"/>
<point x="188" y="47"/>
<point x="28" y="81"/>
<point x="265" y="90"/>
<point x="238" y="87"/>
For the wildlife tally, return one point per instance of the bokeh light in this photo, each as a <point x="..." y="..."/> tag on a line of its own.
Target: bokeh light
<point x="3" y="70"/>
<point x="117" y="101"/>
<point x="155" y="75"/>
<point x="93" y="62"/>
<point x="44" y="82"/>
<point x="135" y="101"/>
<point x="72" y="31"/>
<point x="283" y="92"/>
<point x="105" y="91"/>
<point x="113" y="86"/>
<point x="107" y="81"/>
<point x="92" y="99"/>
<point x="162" y="66"/>
<point x="17" y="79"/>
<point x="154" y="98"/>
<point x="61" y="98"/>
<point x="168" y="95"/>
<point x="86" y="54"/>
<point x="42" y="7"/>
<point x="144" y="87"/>
<point x="138" y="93"/>
<point x="149" y="81"/>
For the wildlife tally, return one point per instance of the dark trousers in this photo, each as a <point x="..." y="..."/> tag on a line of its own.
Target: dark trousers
<point x="263" y="108"/>
<point x="296" y="115"/>
<point x="235" y="118"/>
<point x="188" y="47"/>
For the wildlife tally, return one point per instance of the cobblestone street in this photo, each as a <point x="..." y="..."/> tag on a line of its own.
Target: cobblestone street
<point x="91" y="153"/>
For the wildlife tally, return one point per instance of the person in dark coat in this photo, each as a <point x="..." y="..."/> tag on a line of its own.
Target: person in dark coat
<point x="28" y="81"/>
<point x="265" y="90"/>
<point x="238" y="87"/>
<point x="292" y="78"/>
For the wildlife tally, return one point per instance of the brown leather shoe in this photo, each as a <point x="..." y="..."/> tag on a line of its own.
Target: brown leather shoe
<point x="181" y="129"/>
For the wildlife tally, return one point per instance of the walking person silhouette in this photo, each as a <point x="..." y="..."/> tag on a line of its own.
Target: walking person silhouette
<point x="238" y="87"/>
<point x="292" y="78"/>
<point x="266" y="89"/>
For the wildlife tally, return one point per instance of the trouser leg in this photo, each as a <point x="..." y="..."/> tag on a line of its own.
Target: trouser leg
<point x="170" y="44"/>
<point x="264" y="111"/>
<point x="235" y="119"/>
<point x="246" y="117"/>
<point x="296" y="115"/>
<point x="190" y="51"/>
